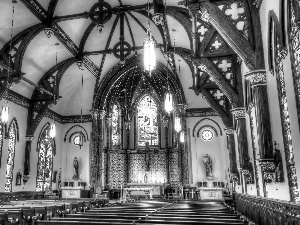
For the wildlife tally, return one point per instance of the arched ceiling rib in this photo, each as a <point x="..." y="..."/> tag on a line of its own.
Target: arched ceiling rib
<point x="79" y="37"/>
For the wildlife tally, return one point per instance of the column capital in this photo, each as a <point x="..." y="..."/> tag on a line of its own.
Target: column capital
<point x="29" y="138"/>
<point x="257" y="77"/>
<point x="98" y="113"/>
<point x="181" y="108"/>
<point x="229" y="131"/>
<point x="239" y="113"/>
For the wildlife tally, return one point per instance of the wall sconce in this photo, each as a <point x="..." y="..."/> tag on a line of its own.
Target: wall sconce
<point x="26" y="178"/>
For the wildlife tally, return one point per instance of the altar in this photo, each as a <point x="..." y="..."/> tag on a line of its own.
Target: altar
<point x="74" y="192"/>
<point x="144" y="189"/>
<point x="210" y="193"/>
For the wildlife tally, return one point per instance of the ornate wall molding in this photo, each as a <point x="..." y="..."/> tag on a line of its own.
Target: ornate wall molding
<point x="257" y="77"/>
<point x="203" y="112"/>
<point x="239" y="113"/>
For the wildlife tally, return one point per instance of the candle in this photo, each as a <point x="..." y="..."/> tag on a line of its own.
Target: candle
<point x="80" y="177"/>
<point x="68" y="182"/>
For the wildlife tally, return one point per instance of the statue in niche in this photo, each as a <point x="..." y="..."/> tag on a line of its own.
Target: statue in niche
<point x="75" y="169"/>
<point x="207" y="160"/>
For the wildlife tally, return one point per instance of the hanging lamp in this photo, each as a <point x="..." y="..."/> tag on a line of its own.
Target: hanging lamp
<point x="169" y="96"/>
<point x="4" y="113"/>
<point x="149" y="48"/>
<point x="53" y="127"/>
<point x="177" y="124"/>
<point x="182" y="137"/>
<point x="5" y="107"/>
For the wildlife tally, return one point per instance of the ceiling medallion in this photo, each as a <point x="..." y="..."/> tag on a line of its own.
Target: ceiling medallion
<point x="158" y="19"/>
<point x="100" y="12"/>
<point x="122" y="50"/>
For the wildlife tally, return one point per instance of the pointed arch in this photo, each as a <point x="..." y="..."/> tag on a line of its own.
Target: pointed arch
<point x="45" y="160"/>
<point x="13" y="137"/>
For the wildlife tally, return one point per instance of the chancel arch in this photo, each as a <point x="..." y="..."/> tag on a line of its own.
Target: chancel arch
<point x="77" y="68"/>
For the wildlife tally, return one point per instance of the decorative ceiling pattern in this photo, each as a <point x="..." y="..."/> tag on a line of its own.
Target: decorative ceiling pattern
<point x="97" y="37"/>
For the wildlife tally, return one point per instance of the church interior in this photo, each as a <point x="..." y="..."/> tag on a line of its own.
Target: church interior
<point x="190" y="107"/>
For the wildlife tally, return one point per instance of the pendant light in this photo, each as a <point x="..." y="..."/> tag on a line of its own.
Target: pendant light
<point x="177" y="124"/>
<point x="169" y="96"/>
<point x="53" y="127"/>
<point x="4" y="113"/>
<point x="182" y="137"/>
<point x="5" y="107"/>
<point x="149" y="48"/>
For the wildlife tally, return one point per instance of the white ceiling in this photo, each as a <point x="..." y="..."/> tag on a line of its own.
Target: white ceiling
<point x="40" y="54"/>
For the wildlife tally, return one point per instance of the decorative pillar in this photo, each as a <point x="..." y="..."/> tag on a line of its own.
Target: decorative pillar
<point x="97" y="142"/>
<point x="166" y="120"/>
<point x="29" y="139"/>
<point x="244" y="159"/>
<point x="234" y="173"/>
<point x="254" y="150"/>
<point x="127" y="127"/>
<point x="259" y="97"/>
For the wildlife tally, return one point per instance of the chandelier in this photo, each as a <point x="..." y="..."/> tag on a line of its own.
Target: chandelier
<point x="4" y="113"/>
<point x="149" y="48"/>
<point x="177" y="124"/>
<point x="169" y="102"/>
<point x="182" y="137"/>
<point x="5" y="108"/>
<point x="52" y="129"/>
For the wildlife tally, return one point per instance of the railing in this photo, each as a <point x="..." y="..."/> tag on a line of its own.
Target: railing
<point x="21" y="195"/>
<point x="266" y="211"/>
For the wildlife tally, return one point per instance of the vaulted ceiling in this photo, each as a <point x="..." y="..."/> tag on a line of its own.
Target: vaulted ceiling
<point x="95" y="37"/>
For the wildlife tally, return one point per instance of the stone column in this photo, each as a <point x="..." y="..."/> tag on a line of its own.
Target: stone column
<point x="127" y="127"/>
<point x="259" y="97"/>
<point x="166" y="120"/>
<point x="234" y="173"/>
<point x="97" y="141"/>
<point x="29" y="139"/>
<point x="244" y="159"/>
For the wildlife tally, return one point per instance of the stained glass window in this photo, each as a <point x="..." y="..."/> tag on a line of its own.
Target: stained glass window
<point x="77" y="140"/>
<point x="115" y="124"/>
<point x="12" y="132"/>
<point x="147" y="121"/>
<point x="45" y="158"/>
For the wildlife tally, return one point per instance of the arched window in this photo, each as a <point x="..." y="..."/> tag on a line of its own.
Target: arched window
<point x="45" y="160"/>
<point x="147" y="121"/>
<point x="12" y="138"/>
<point x="115" y="125"/>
